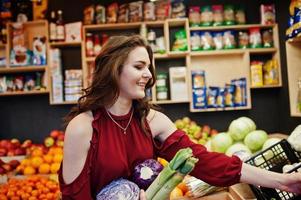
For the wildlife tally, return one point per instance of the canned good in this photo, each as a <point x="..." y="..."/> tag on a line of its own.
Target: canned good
<point x="161" y="80"/>
<point x="162" y="93"/>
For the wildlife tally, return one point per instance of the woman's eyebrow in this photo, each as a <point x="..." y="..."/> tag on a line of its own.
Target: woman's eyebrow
<point x="142" y="62"/>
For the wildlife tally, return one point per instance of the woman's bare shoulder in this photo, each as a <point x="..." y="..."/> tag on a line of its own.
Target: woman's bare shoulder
<point x="160" y="124"/>
<point x="81" y="123"/>
<point x="76" y="145"/>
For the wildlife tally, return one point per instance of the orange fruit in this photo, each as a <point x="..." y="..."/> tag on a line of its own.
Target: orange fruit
<point x="44" y="168"/>
<point x="55" y="150"/>
<point x="25" y="162"/>
<point x="29" y="170"/>
<point x="175" y="193"/>
<point x="36" y="161"/>
<point x="3" y="197"/>
<point x="37" y="152"/>
<point x="54" y="168"/>
<point x="183" y="187"/>
<point x="35" y="193"/>
<point x="47" y="158"/>
<point x="57" y="158"/>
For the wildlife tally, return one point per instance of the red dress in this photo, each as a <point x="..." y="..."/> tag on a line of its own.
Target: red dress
<point x="113" y="154"/>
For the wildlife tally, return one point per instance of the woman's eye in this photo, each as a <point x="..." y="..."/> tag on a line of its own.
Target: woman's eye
<point x="138" y="67"/>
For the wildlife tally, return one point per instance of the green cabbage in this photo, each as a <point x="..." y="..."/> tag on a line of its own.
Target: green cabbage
<point x="236" y="148"/>
<point x="238" y="129"/>
<point x="270" y="142"/>
<point x="255" y="140"/>
<point x="221" y="142"/>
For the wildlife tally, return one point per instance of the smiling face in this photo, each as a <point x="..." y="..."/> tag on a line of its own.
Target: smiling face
<point x="135" y="74"/>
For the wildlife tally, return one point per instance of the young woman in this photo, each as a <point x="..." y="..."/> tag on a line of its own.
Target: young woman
<point x="113" y="127"/>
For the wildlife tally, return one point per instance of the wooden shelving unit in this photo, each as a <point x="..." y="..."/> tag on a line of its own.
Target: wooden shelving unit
<point x="65" y="44"/>
<point x="235" y="62"/>
<point x="21" y="69"/>
<point x="19" y="93"/>
<point x="233" y="27"/>
<point x="31" y="29"/>
<point x="220" y="65"/>
<point x="64" y="103"/>
<point x="293" y="52"/>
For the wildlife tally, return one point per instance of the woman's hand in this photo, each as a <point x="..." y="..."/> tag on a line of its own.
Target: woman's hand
<point x="291" y="183"/>
<point x="142" y="195"/>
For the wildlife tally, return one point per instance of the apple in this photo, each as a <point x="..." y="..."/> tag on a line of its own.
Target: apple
<point x="10" y="152"/>
<point x="7" y="167"/>
<point x="26" y="144"/>
<point x="61" y="137"/>
<point x="1" y="162"/>
<point x="3" y="151"/>
<point x="54" y="134"/>
<point x="20" y="151"/>
<point x="60" y="143"/>
<point x="4" y="143"/>
<point x="213" y="132"/>
<point x="49" y="141"/>
<point x="2" y="170"/>
<point x="14" y="164"/>
<point x="15" y="143"/>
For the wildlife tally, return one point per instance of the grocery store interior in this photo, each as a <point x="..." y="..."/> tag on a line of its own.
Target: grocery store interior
<point x="204" y="52"/>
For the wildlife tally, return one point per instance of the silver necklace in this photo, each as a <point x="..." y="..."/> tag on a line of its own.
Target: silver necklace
<point x="126" y="127"/>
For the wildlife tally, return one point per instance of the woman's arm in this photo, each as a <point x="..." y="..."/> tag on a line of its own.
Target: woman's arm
<point x="257" y="176"/>
<point x="76" y="145"/>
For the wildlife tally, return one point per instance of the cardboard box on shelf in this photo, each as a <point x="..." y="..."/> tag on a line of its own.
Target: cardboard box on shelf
<point x="178" y="84"/>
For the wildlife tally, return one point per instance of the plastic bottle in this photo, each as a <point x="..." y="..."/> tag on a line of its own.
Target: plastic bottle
<point x="52" y="27"/>
<point x="60" y="27"/>
<point x="89" y="45"/>
<point x="97" y="46"/>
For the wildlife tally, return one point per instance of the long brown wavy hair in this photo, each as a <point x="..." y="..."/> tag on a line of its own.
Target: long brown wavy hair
<point x="104" y="89"/>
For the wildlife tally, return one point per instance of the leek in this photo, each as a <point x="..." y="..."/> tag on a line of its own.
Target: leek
<point x="172" y="174"/>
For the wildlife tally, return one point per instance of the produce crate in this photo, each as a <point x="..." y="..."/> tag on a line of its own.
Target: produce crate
<point x="273" y="159"/>
<point x="222" y="195"/>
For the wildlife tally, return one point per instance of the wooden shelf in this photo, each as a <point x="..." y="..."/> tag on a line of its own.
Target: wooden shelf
<point x="22" y="69"/>
<point x="218" y="52"/>
<point x="221" y="109"/>
<point x="262" y="50"/>
<point x="64" y="103"/>
<point x="232" y="27"/>
<point x="90" y="59"/>
<point x="293" y="51"/>
<point x="168" y="102"/>
<point x="233" y="51"/>
<point x="177" y="22"/>
<point x="160" y="56"/>
<point x="266" y="86"/>
<point x="65" y="44"/>
<point x="154" y="23"/>
<point x="117" y="26"/>
<point x="35" y="92"/>
<point x="177" y="54"/>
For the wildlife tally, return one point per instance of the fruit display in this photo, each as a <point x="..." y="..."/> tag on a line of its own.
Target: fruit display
<point x="32" y="187"/>
<point x="198" y="134"/>
<point x="39" y="162"/>
<point x="13" y="147"/>
<point x="7" y="167"/>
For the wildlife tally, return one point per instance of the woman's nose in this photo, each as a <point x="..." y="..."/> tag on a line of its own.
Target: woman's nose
<point x="147" y="73"/>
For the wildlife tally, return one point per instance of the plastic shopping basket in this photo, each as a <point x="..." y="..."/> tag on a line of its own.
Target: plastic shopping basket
<point x="273" y="159"/>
